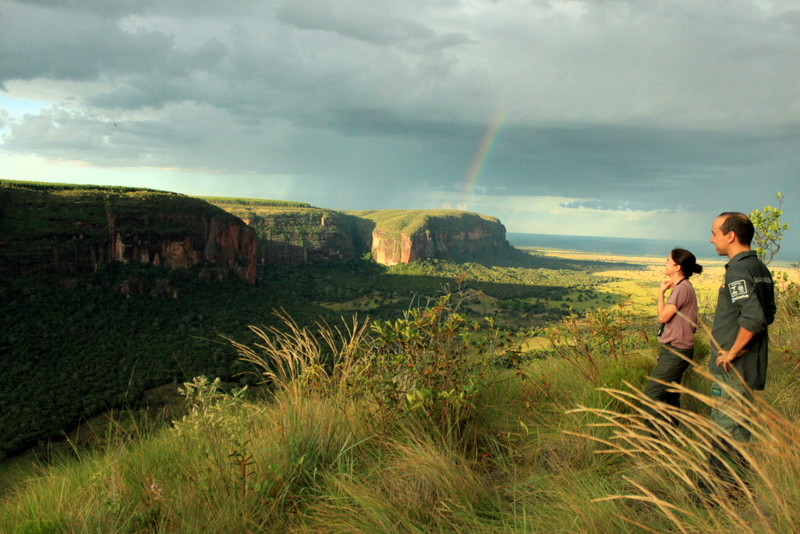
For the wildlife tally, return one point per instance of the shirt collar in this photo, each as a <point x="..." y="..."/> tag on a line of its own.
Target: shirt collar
<point x="740" y="256"/>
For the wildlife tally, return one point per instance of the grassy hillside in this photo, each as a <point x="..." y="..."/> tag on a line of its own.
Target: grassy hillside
<point x="291" y="212"/>
<point x="386" y="442"/>
<point x="296" y="233"/>
<point x="254" y="202"/>
<point x="32" y="209"/>
<point x="409" y="222"/>
<point x="67" y="188"/>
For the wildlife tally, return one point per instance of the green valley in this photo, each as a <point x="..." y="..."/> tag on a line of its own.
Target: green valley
<point x="110" y="291"/>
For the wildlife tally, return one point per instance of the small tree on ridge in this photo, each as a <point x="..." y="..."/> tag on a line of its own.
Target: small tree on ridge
<point x="769" y="230"/>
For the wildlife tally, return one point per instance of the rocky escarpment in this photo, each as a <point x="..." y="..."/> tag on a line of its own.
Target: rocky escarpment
<point x="66" y="231"/>
<point x="290" y="234"/>
<point x="403" y="236"/>
<point x="297" y="234"/>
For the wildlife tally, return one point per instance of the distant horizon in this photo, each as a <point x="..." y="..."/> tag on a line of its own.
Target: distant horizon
<point x="630" y="246"/>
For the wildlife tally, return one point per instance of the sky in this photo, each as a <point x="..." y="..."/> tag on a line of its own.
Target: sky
<point x="640" y="118"/>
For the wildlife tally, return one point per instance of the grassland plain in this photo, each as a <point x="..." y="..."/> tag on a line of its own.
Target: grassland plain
<point x="538" y="447"/>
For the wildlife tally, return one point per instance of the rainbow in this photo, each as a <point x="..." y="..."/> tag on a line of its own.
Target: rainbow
<point x="484" y="151"/>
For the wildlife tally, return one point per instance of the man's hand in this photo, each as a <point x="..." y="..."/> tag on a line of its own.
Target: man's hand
<point x="727" y="356"/>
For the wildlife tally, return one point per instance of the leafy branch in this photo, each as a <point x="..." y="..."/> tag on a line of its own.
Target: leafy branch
<point x="769" y="230"/>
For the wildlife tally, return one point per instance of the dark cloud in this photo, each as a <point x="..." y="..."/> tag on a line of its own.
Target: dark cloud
<point x="617" y="164"/>
<point x="367" y="21"/>
<point x="67" y="45"/>
<point x="616" y="168"/>
<point x="62" y="135"/>
<point x="99" y="7"/>
<point x="615" y="105"/>
<point x="122" y="8"/>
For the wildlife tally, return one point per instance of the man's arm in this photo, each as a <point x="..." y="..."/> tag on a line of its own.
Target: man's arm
<point x="727" y="356"/>
<point x="741" y="285"/>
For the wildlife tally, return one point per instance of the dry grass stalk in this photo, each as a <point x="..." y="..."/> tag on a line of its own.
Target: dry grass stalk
<point x="286" y="356"/>
<point x="681" y="453"/>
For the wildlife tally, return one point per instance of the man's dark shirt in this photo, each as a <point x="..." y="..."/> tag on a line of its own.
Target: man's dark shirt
<point x="746" y="299"/>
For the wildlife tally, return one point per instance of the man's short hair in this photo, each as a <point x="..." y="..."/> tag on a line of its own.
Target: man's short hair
<point x="740" y="224"/>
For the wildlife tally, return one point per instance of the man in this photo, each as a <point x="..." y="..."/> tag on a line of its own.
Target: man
<point x="739" y="339"/>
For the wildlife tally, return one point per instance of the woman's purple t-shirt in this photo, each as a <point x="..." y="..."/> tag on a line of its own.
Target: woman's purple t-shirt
<point x="680" y="329"/>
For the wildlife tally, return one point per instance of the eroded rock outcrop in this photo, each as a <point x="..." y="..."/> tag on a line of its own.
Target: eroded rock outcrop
<point x="293" y="235"/>
<point x="403" y="236"/>
<point x="67" y="231"/>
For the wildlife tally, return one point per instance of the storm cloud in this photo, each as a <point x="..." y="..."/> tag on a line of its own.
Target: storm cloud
<point x="676" y="107"/>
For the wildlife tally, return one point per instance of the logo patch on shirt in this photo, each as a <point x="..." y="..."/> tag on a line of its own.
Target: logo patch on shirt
<point x="738" y="290"/>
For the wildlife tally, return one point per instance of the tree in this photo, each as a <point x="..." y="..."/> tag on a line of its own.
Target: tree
<point x="769" y="230"/>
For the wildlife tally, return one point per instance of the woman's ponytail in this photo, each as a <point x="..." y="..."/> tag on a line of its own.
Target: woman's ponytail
<point x="687" y="261"/>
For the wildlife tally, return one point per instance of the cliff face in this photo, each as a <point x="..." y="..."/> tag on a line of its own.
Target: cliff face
<point x="405" y="236"/>
<point x="297" y="235"/>
<point x="295" y="238"/>
<point x="68" y="232"/>
<point x="291" y="235"/>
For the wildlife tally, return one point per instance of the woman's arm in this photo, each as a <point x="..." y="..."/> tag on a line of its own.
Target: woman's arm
<point x="665" y="311"/>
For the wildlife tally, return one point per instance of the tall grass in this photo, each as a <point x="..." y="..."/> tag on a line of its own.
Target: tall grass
<point x="311" y="459"/>
<point x="674" y="474"/>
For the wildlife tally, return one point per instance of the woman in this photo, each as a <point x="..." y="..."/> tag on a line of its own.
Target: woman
<point x="678" y="318"/>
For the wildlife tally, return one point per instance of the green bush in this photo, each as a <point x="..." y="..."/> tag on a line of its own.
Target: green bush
<point x="433" y="363"/>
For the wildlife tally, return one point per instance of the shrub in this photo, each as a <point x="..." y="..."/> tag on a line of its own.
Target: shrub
<point x="432" y="364"/>
<point x="583" y="342"/>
